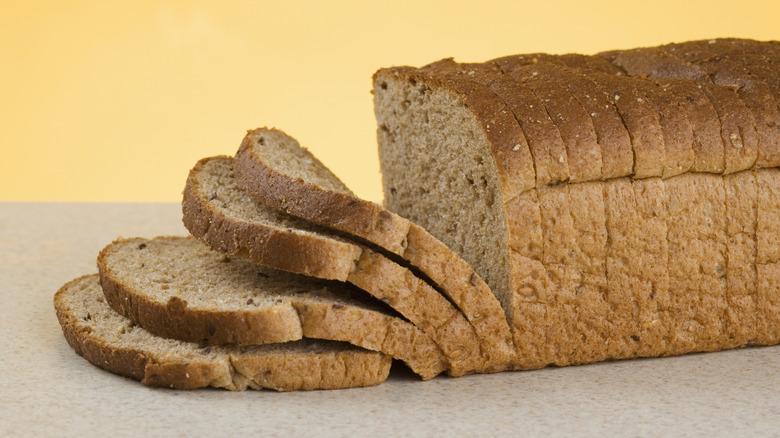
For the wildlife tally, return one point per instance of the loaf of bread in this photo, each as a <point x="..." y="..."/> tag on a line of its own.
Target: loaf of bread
<point x="539" y="210"/>
<point x="619" y="205"/>
<point x="114" y="343"/>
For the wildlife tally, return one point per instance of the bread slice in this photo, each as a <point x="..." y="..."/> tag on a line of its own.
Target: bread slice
<point x="113" y="343"/>
<point x="218" y="213"/>
<point x="178" y="288"/>
<point x="275" y="169"/>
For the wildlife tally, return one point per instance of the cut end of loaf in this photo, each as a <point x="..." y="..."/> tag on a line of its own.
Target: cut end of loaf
<point x="438" y="171"/>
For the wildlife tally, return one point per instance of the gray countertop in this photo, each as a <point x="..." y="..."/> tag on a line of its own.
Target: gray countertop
<point x="49" y="390"/>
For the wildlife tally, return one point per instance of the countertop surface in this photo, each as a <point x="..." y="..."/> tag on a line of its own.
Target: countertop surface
<point x="48" y="390"/>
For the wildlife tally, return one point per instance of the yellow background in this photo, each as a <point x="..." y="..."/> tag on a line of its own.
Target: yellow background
<point x="115" y="101"/>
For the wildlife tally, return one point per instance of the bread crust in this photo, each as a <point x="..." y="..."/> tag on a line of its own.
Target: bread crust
<point x="548" y="83"/>
<point x="230" y="368"/>
<point x="758" y="60"/>
<point x="679" y="79"/>
<point x="682" y="71"/>
<point x="675" y="127"/>
<point x="768" y="256"/>
<point x="753" y="91"/>
<point x="611" y="133"/>
<point x="741" y="275"/>
<point x="544" y="139"/>
<point x="528" y="105"/>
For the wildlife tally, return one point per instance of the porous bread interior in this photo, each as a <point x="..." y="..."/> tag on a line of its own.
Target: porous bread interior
<point x="437" y="171"/>
<point x="285" y="155"/>
<point x="183" y="267"/>
<point x="83" y="301"/>
<point x="218" y="185"/>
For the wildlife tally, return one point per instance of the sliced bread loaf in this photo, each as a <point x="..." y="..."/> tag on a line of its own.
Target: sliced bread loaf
<point x="112" y="342"/>
<point x="273" y="167"/>
<point x="227" y="219"/>
<point x="599" y="269"/>
<point x="178" y="288"/>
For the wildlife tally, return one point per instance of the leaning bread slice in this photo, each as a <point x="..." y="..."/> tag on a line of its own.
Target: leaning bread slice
<point x="276" y="170"/>
<point x="176" y="287"/>
<point x="227" y="219"/>
<point x="111" y="341"/>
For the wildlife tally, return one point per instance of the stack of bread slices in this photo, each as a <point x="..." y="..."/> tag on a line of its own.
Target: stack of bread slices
<point x="261" y="298"/>
<point x="611" y="206"/>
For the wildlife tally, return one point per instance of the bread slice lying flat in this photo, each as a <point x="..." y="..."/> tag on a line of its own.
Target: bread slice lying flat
<point x="176" y="287"/>
<point x="112" y="342"/>
<point x="273" y="168"/>
<point x="228" y="220"/>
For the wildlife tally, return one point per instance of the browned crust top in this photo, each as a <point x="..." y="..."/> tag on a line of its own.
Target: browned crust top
<point x="744" y="66"/>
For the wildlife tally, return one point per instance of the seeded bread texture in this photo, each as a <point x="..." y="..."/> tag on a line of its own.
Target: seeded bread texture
<point x="549" y="84"/>
<point x="178" y="288"/>
<point x="733" y="68"/>
<point x="753" y="90"/>
<point x="297" y="187"/>
<point x="665" y="283"/>
<point x="241" y="227"/>
<point x="113" y="343"/>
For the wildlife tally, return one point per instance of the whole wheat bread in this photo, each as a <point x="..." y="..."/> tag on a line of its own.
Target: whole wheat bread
<point x="273" y="167"/>
<point x="228" y="220"/>
<point x="114" y="343"/>
<point x="178" y="288"/>
<point x="623" y="265"/>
